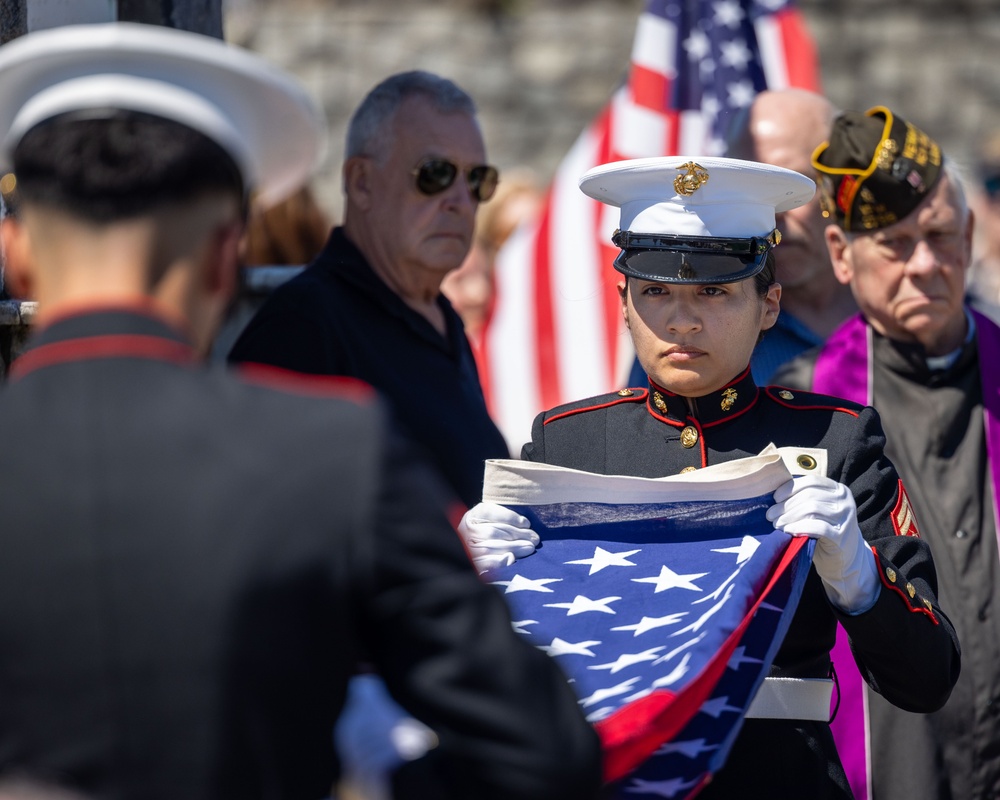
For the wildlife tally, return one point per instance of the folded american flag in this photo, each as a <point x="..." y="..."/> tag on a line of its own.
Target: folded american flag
<point x="664" y="600"/>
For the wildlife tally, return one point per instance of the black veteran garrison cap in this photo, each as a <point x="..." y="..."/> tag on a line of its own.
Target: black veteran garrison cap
<point x="695" y="219"/>
<point x="875" y="170"/>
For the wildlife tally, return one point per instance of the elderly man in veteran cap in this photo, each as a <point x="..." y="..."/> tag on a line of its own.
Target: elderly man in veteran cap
<point x="696" y="239"/>
<point x="194" y="561"/>
<point x="931" y="365"/>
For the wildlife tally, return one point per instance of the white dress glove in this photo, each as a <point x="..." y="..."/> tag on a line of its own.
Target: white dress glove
<point x="824" y="509"/>
<point x="495" y="536"/>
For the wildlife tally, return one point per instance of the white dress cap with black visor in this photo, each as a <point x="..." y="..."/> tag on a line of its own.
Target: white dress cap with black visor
<point x="695" y="220"/>
<point x="260" y="115"/>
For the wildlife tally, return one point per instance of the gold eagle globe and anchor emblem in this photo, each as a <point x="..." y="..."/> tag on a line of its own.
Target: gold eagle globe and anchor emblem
<point x="728" y="399"/>
<point x="692" y="180"/>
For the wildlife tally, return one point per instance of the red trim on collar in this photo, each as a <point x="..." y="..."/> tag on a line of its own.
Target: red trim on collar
<point x="304" y="383"/>
<point x="655" y="413"/>
<point x="739" y="413"/>
<point x="94" y="347"/>
<point x="638" y="395"/>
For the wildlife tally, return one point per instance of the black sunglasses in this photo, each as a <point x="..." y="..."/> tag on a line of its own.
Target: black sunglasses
<point x="435" y="175"/>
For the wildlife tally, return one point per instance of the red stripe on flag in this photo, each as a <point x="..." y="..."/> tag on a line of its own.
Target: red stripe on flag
<point x="632" y="734"/>
<point x="606" y="254"/>
<point x="614" y="325"/>
<point x="800" y="50"/>
<point x="547" y="362"/>
<point x="649" y="88"/>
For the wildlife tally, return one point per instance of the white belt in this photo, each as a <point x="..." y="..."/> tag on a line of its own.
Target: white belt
<point x="792" y="698"/>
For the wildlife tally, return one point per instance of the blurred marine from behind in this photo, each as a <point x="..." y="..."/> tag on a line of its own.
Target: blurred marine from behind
<point x="195" y="560"/>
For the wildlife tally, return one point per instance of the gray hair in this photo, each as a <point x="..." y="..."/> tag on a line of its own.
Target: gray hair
<point x="369" y="131"/>
<point x="957" y="175"/>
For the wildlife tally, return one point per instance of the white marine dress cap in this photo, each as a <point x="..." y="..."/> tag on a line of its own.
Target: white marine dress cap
<point x="692" y="219"/>
<point x="256" y="112"/>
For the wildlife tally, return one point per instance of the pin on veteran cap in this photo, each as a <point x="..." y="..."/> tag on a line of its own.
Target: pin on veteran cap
<point x="695" y="220"/>
<point x="257" y="113"/>
<point x="875" y="169"/>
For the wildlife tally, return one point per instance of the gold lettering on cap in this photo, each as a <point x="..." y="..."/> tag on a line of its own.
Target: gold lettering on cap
<point x="887" y="154"/>
<point x="692" y="180"/>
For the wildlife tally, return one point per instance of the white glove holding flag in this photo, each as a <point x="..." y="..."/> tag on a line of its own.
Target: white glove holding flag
<point x="824" y="509"/>
<point x="495" y="536"/>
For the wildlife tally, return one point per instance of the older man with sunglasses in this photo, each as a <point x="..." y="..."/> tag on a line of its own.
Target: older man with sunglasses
<point x="370" y="305"/>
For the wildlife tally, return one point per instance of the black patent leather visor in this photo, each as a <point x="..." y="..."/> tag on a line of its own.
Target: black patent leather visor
<point x="679" y="259"/>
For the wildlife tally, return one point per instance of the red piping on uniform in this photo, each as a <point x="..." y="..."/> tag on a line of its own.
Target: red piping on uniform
<point x="93" y="347"/>
<point x="641" y="395"/>
<point x="739" y="413"/>
<point x="701" y="442"/>
<point x="779" y="401"/>
<point x="654" y="413"/>
<point x="307" y="384"/>
<point x="921" y="609"/>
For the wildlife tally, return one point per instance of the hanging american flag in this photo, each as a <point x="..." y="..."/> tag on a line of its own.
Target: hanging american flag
<point x="555" y="333"/>
<point x="665" y="613"/>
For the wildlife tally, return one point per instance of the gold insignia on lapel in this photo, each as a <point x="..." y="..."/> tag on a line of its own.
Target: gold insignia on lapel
<point x="659" y="402"/>
<point x="692" y="180"/>
<point x="806" y="461"/>
<point x="784" y="394"/>
<point x="689" y="436"/>
<point x="910" y="590"/>
<point x="728" y="398"/>
<point x="928" y="604"/>
<point x="890" y="573"/>
<point x="625" y="392"/>
<point x="686" y="470"/>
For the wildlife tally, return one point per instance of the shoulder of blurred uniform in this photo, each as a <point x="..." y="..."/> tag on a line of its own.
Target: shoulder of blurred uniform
<point x="301" y="386"/>
<point x="797" y="373"/>
<point x="799" y="399"/>
<point x="623" y="398"/>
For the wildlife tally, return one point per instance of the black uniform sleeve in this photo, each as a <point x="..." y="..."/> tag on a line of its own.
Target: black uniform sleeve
<point x="905" y="646"/>
<point x="535" y="449"/>
<point x="507" y="721"/>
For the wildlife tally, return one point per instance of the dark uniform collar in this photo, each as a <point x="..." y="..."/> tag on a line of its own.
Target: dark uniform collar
<point x="729" y="402"/>
<point x="118" y="331"/>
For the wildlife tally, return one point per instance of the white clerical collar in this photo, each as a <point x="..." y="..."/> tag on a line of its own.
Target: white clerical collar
<point x="935" y="363"/>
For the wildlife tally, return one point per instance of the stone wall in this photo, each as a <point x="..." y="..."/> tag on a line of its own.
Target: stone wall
<point x="541" y="70"/>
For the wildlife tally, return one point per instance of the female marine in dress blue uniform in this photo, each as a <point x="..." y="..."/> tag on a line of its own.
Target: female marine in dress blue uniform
<point x="699" y="291"/>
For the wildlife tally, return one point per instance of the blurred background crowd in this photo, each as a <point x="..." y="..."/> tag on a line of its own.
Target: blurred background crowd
<point x="540" y="70"/>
